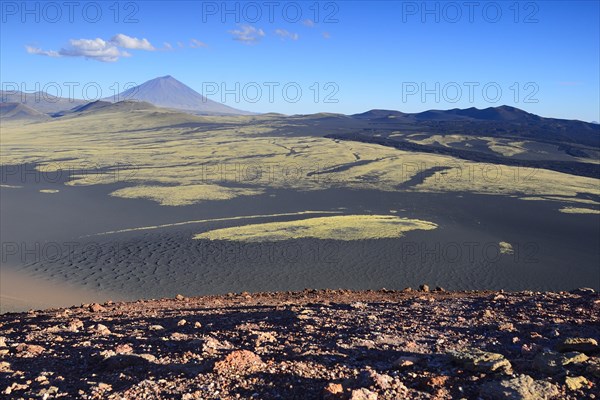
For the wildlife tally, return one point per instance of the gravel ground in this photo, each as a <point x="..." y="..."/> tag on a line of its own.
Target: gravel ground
<point x="328" y="344"/>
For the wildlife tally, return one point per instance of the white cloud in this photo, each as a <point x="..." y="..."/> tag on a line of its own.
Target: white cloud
<point x="180" y="44"/>
<point x="128" y="42"/>
<point x="37" y="50"/>
<point x="247" y="34"/>
<point x="97" y="49"/>
<point x="326" y="35"/>
<point x="195" y="43"/>
<point x="309" y="22"/>
<point x="282" y="33"/>
<point x="168" y="46"/>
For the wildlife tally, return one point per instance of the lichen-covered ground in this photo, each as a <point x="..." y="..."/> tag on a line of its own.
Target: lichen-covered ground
<point x="178" y="159"/>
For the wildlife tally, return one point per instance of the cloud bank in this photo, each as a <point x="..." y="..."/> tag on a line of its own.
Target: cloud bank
<point x="128" y="42"/>
<point x="97" y="49"/>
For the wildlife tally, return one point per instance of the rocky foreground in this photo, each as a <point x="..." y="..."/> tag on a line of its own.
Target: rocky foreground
<point x="310" y="345"/>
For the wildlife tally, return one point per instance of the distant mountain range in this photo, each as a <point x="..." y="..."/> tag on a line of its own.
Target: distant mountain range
<point x="502" y="113"/>
<point x="165" y="91"/>
<point x="502" y="121"/>
<point x="168" y="92"/>
<point x="44" y="103"/>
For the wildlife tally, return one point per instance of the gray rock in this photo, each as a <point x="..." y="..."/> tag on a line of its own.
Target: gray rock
<point x="156" y="327"/>
<point x="584" y="290"/>
<point x="261" y="338"/>
<point x="122" y="361"/>
<point x="584" y="345"/>
<point x="550" y="362"/>
<point x="372" y="378"/>
<point x="212" y="346"/>
<point x="522" y="387"/>
<point x="593" y="367"/>
<point x="477" y="360"/>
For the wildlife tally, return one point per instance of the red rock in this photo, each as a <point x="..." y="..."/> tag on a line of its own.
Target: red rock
<point x="363" y="394"/>
<point x="95" y="307"/>
<point x="437" y="381"/>
<point x="405" y="361"/>
<point x="239" y="361"/>
<point x="123" y="349"/>
<point x="177" y="336"/>
<point x="100" y="329"/>
<point x="75" y="325"/>
<point x="5" y="366"/>
<point x="29" y="350"/>
<point x="333" y="391"/>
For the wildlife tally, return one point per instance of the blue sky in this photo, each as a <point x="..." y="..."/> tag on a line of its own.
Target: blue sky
<point x="543" y="57"/>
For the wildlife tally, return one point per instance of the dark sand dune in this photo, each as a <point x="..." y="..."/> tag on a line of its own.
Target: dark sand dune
<point x="463" y="253"/>
<point x="480" y="241"/>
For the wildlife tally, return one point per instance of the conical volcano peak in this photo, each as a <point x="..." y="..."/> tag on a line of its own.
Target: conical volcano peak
<point x="168" y="92"/>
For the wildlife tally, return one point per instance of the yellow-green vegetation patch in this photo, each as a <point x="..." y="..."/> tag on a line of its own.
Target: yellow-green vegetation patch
<point x="164" y="148"/>
<point x="507" y="149"/>
<point x="506" y="248"/>
<point x="201" y="221"/>
<point x="340" y="227"/>
<point x="562" y="199"/>
<point x="488" y="178"/>
<point x="579" y="210"/>
<point x="183" y="195"/>
<point x="49" y="191"/>
<point x="442" y="140"/>
<point x="164" y="156"/>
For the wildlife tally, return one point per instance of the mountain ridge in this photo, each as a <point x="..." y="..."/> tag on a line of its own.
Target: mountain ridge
<point x="40" y="101"/>
<point x="501" y="113"/>
<point x="168" y="92"/>
<point x="18" y="111"/>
